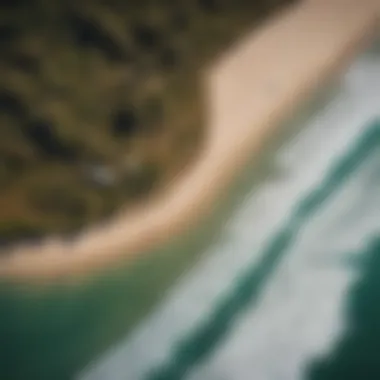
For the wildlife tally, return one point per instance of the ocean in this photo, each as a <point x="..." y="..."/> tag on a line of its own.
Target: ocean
<point x="282" y="284"/>
<point x="289" y="290"/>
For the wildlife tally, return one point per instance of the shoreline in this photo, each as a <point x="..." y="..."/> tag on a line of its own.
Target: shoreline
<point x="258" y="82"/>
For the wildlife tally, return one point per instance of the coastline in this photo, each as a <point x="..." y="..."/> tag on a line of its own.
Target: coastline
<point x="257" y="83"/>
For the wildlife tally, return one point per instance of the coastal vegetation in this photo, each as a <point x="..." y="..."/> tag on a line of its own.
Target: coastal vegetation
<point x="100" y="103"/>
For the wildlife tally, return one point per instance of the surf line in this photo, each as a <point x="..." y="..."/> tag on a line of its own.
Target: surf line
<point x="204" y="338"/>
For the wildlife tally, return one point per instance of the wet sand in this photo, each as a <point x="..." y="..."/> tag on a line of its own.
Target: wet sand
<point x="249" y="91"/>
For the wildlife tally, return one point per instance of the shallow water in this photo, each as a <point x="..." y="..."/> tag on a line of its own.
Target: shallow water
<point x="266" y="287"/>
<point x="276" y="291"/>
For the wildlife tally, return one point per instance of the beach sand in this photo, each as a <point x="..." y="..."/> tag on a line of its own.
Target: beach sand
<point x="248" y="91"/>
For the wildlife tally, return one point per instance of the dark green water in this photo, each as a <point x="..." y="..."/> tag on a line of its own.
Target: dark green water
<point x="357" y="354"/>
<point x="201" y="343"/>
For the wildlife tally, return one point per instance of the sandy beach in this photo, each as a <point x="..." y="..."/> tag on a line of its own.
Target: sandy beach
<point x="248" y="92"/>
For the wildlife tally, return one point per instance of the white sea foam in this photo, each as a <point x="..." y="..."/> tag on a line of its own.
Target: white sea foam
<point x="301" y="307"/>
<point x="301" y="313"/>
